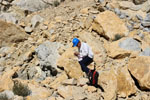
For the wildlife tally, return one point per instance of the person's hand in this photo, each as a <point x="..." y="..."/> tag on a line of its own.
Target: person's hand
<point x="76" y="53"/>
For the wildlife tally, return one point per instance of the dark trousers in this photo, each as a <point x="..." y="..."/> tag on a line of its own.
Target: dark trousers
<point x="84" y="63"/>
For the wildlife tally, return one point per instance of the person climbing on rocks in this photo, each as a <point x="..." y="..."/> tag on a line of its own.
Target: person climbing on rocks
<point x="84" y="54"/>
<point x="85" y="58"/>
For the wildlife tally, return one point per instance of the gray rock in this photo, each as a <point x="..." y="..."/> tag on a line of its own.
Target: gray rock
<point x="130" y="44"/>
<point x="36" y="20"/>
<point x="130" y="27"/>
<point x="146" y="52"/>
<point x="117" y="11"/>
<point x="147" y="18"/>
<point x="141" y="35"/>
<point x="48" y="55"/>
<point x="9" y="17"/>
<point x="145" y="23"/>
<point x="30" y="5"/>
<point x="28" y="29"/>
<point x="122" y="16"/>
<point x="7" y="95"/>
<point x="146" y="29"/>
<point x="139" y="17"/>
<point x="139" y="1"/>
<point x="100" y="1"/>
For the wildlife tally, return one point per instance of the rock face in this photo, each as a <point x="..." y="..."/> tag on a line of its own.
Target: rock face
<point x="11" y="34"/>
<point x="48" y="55"/>
<point x="140" y="69"/>
<point x="70" y="64"/>
<point x="109" y="25"/>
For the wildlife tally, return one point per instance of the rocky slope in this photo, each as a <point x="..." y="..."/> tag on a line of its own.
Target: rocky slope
<point x="36" y="54"/>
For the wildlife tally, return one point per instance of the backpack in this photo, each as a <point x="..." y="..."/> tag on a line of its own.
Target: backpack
<point x="93" y="77"/>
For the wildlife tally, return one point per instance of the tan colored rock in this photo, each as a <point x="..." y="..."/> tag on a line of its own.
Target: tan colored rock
<point x="72" y="91"/>
<point x="70" y="63"/>
<point x="57" y="82"/>
<point x="125" y="84"/>
<point x="69" y="82"/>
<point x="139" y="67"/>
<point x="85" y="10"/>
<point x="108" y="24"/>
<point x="91" y="89"/>
<point x="10" y="34"/>
<point x="116" y="52"/>
<point x="129" y="5"/>
<point x="38" y="93"/>
<point x="6" y="82"/>
<point x="108" y="81"/>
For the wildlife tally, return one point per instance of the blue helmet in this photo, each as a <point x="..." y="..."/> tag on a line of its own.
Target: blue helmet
<point x="75" y="42"/>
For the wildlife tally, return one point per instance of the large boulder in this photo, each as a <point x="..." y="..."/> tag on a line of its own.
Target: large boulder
<point x="10" y="34"/>
<point x="140" y="69"/>
<point x="108" y="81"/>
<point x="48" y="55"/>
<point x="108" y="24"/>
<point x="123" y="48"/>
<point x="125" y="84"/>
<point x="116" y="81"/>
<point x="70" y="64"/>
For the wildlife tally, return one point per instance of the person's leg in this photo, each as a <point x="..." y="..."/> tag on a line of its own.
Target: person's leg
<point x="84" y="63"/>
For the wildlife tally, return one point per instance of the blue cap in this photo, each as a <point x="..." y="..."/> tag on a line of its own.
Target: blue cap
<point x="75" y="42"/>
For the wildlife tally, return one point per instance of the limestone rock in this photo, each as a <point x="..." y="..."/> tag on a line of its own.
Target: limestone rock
<point x="106" y="24"/>
<point x="48" y="55"/>
<point x="58" y="81"/>
<point x="9" y="17"/>
<point x="11" y="34"/>
<point x="139" y="1"/>
<point x="36" y="20"/>
<point x="122" y="48"/>
<point x="6" y="82"/>
<point x="38" y="92"/>
<point x="34" y="5"/>
<point x="72" y="91"/>
<point x="130" y="44"/>
<point x="129" y="5"/>
<point x="7" y="95"/>
<point x="146" y="52"/>
<point x="70" y="64"/>
<point x="70" y="82"/>
<point x="125" y="84"/>
<point x="139" y="68"/>
<point x="28" y="29"/>
<point x="108" y="81"/>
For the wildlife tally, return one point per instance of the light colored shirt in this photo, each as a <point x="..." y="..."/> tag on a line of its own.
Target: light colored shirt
<point x="84" y="51"/>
